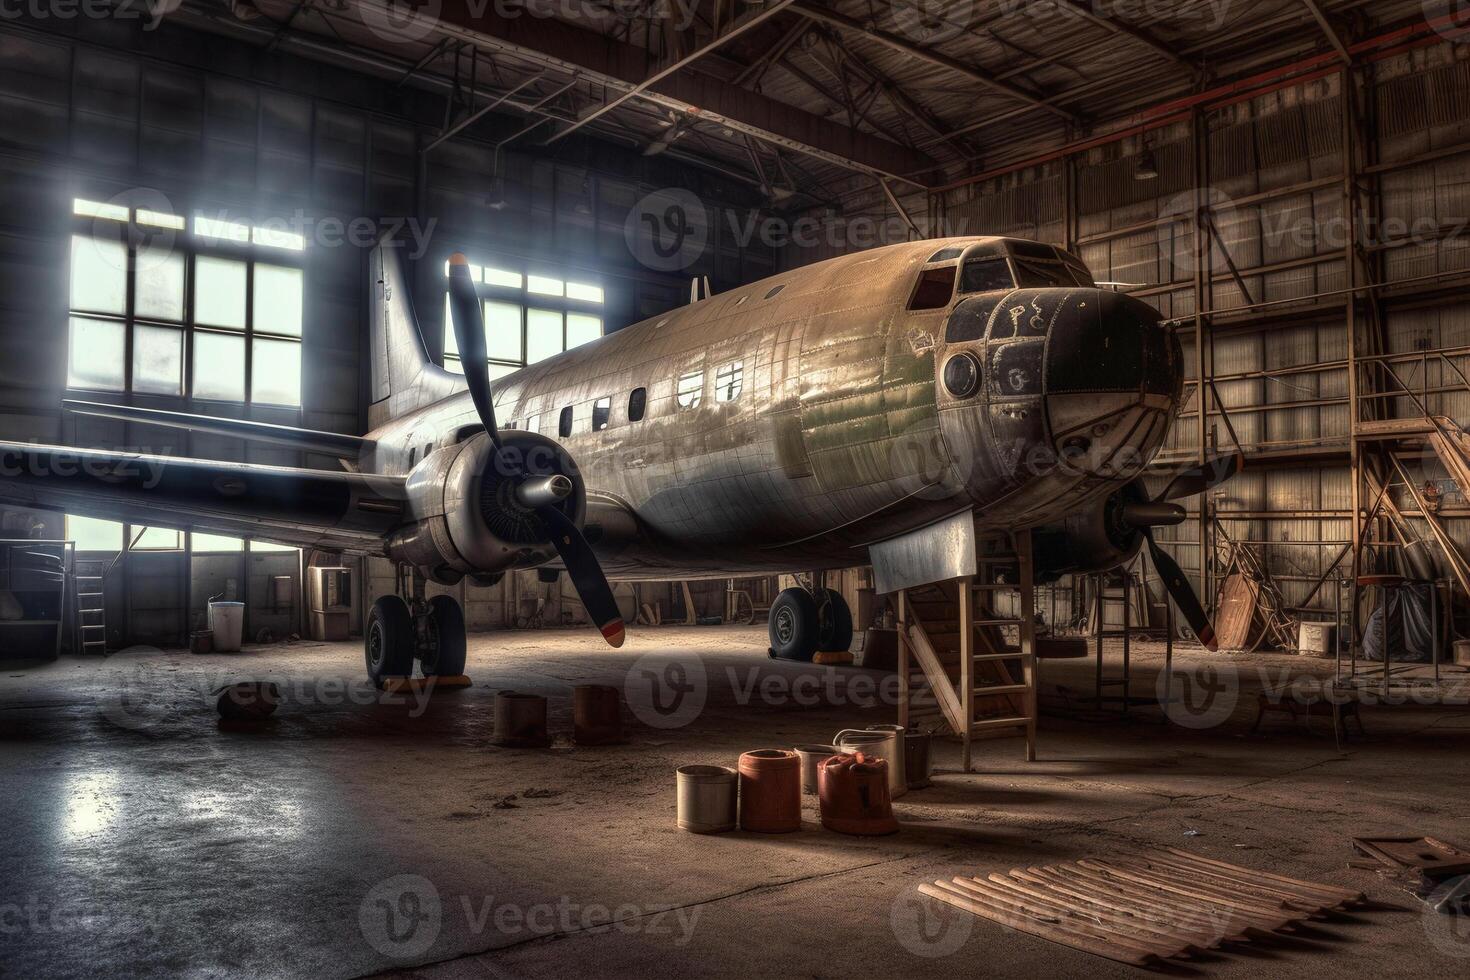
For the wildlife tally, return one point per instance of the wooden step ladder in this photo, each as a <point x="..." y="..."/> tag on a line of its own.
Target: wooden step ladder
<point x="91" y="606"/>
<point x="965" y="682"/>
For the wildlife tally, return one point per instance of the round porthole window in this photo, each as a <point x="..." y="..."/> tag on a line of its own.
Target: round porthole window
<point x="962" y="375"/>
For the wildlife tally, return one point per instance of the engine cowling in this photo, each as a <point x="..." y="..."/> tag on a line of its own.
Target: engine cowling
<point x="466" y="517"/>
<point x="1095" y="539"/>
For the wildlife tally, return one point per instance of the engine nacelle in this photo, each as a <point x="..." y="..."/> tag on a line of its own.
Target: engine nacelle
<point x="465" y="516"/>
<point x="1093" y="540"/>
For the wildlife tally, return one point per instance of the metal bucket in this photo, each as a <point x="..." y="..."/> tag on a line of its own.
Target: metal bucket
<point x="880" y="744"/>
<point x="706" y="798"/>
<point x="811" y="757"/>
<point x="900" y="778"/>
<point x="917" y="764"/>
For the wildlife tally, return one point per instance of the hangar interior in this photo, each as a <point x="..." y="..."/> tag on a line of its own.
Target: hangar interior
<point x="191" y="193"/>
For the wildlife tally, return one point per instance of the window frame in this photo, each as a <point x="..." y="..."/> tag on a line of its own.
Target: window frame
<point x="528" y="300"/>
<point x="133" y="234"/>
<point x="696" y="395"/>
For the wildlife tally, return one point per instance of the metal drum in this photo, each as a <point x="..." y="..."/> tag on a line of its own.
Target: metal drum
<point x="770" y="791"/>
<point x="520" y="721"/>
<point x="596" y="715"/>
<point x="879" y="744"/>
<point x="706" y="798"/>
<point x="811" y="757"/>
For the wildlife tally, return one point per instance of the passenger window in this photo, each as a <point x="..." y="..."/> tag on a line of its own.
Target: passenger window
<point x="935" y="288"/>
<point x="601" y="412"/>
<point x="637" y="404"/>
<point x="985" y="275"/>
<point x="565" y="426"/>
<point x="690" y="390"/>
<point x="728" y="381"/>
<point x="413" y="457"/>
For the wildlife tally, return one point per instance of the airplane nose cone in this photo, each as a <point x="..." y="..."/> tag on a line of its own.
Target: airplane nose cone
<point x="1113" y="343"/>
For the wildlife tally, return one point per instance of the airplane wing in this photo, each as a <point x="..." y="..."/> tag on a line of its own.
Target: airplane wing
<point x="336" y="511"/>
<point x="307" y="440"/>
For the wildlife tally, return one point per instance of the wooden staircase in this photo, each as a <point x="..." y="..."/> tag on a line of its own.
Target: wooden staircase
<point x="957" y="673"/>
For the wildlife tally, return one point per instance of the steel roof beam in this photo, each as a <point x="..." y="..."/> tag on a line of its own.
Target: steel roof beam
<point x="938" y="59"/>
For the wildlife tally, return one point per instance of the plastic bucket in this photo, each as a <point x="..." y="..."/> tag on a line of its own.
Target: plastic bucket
<point x="227" y="621"/>
<point x="706" y="797"/>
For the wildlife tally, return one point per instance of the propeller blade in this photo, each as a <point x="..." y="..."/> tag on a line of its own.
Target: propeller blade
<point x="1181" y="592"/>
<point x="469" y="333"/>
<point x="1198" y="479"/>
<point x="586" y="574"/>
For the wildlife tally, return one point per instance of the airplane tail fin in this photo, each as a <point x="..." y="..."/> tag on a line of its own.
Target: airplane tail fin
<point x="403" y="376"/>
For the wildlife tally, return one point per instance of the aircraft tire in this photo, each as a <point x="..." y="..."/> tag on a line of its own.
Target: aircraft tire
<point x="794" y="625"/>
<point x="388" y="642"/>
<point x="834" y="622"/>
<point x="448" y="659"/>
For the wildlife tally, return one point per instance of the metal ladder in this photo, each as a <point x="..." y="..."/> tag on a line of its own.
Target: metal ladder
<point x="984" y="680"/>
<point x="91" y="606"/>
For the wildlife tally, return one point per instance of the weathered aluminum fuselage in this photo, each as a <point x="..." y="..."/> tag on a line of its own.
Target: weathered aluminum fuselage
<point x="841" y="433"/>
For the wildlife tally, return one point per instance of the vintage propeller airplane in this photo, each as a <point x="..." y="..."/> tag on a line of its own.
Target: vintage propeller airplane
<point x="824" y="418"/>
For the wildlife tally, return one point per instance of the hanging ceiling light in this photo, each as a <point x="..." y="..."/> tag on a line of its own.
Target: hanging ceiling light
<point x="1146" y="168"/>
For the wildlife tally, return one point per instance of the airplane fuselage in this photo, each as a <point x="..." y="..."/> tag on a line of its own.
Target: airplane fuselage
<point x="792" y="422"/>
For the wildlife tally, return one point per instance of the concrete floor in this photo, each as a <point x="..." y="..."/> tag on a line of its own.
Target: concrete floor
<point x="351" y="837"/>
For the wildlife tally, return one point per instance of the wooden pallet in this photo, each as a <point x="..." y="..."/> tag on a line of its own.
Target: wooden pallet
<point x="1143" y="910"/>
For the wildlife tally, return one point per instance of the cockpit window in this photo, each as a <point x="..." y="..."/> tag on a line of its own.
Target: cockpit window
<point x="945" y="254"/>
<point x="935" y="288"/>
<point x="985" y="275"/>
<point x="1032" y="250"/>
<point x="1042" y="275"/>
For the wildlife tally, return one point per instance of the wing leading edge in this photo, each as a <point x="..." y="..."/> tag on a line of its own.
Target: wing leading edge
<point x="306" y="508"/>
<point x="307" y="440"/>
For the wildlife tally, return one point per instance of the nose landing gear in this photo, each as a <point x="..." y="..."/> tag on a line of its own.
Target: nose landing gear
<point x="804" y="622"/>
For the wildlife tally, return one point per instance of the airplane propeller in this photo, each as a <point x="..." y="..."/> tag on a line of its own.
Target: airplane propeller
<point x="1145" y="515"/>
<point x="539" y="493"/>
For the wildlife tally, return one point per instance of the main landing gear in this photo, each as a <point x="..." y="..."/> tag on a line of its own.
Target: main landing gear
<point x="805" y="621"/>
<point x="401" y="631"/>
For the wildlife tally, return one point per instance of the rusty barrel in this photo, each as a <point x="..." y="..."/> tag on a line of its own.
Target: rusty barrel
<point x="520" y="720"/>
<point x="770" y="791"/>
<point x="597" y="714"/>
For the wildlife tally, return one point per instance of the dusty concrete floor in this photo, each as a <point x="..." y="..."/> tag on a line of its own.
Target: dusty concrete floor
<point x="352" y="837"/>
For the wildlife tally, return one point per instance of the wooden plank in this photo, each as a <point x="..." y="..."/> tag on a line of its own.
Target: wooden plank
<point x="1264" y="922"/>
<point x="1199" y="924"/>
<point x="967" y="669"/>
<point x="1348" y="894"/>
<point x="1320" y="897"/>
<point x="1191" y="889"/>
<point x="1122" y="920"/>
<point x="939" y="682"/>
<point x="1015" y="917"/>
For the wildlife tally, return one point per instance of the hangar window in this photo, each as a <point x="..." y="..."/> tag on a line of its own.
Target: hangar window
<point x="564" y="426"/>
<point x="601" y="413"/>
<point x="934" y="290"/>
<point x="728" y="381"/>
<point x="690" y="390"/>
<point x="528" y="317"/>
<point x="637" y="404"/>
<point x="158" y="310"/>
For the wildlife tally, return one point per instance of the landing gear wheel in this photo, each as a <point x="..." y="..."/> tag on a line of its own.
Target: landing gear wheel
<point x="389" y="645"/>
<point x="834" y="622"/>
<point x="794" y="625"/>
<point x="445" y="658"/>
